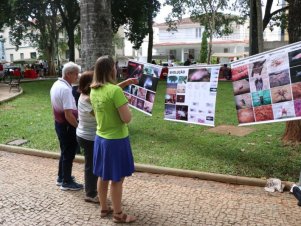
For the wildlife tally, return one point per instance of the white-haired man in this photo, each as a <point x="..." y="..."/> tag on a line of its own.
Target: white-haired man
<point x="65" y="117"/>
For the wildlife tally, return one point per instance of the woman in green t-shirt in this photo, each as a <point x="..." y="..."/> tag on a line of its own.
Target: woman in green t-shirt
<point x="113" y="159"/>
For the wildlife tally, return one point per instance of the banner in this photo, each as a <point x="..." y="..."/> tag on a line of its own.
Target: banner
<point x="267" y="86"/>
<point x="142" y="95"/>
<point x="191" y="94"/>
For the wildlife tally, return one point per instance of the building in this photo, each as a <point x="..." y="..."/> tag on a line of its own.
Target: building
<point x="168" y="45"/>
<point x="186" y="41"/>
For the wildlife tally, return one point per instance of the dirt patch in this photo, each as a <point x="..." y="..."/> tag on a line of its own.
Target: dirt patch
<point x="6" y="107"/>
<point x="232" y="130"/>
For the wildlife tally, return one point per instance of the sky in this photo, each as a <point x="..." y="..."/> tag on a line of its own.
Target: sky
<point x="165" y="10"/>
<point x="163" y="13"/>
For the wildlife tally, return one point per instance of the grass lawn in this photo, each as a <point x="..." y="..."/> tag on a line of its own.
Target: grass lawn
<point x="164" y="143"/>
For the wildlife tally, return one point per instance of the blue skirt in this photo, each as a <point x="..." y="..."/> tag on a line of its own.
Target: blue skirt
<point x="112" y="158"/>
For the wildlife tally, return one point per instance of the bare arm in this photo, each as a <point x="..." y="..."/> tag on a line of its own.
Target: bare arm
<point x="70" y="117"/>
<point x="125" y="113"/>
<point x="127" y="82"/>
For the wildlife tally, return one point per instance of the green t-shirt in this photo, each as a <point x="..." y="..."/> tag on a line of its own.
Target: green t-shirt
<point x="105" y="101"/>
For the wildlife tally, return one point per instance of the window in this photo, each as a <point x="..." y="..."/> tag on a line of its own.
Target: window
<point x="11" y="56"/>
<point x="33" y="55"/>
<point x="247" y="49"/>
<point x="191" y="53"/>
<point x="226" y="50"/>
<point x="198" y="32"/>
<point x="172" y="54"/>
<point x="22" y="56"/>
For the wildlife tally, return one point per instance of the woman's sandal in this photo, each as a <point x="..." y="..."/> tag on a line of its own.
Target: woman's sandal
<point x="123" y="218"/>
<point x="104" y="213"/>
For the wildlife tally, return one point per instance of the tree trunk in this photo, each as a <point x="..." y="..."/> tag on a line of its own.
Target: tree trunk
<point x="292" y="133"/>
<point x="259" y="26"/>
<point x="96" y="31"/>
<point x="253" y="29"/>
<point x="71" y="44"/>
<point x="150" y="32"/>
<point x="211" y="27"/>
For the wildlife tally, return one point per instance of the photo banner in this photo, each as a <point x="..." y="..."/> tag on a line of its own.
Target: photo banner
<point x="267" y="86"/>
<point x="142" y="95"/>
<point x="191" y="94"/>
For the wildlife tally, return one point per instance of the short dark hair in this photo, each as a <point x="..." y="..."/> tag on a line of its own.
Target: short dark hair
<point x="85" y="81"/>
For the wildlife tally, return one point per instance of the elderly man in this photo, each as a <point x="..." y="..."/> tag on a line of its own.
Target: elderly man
<point x="65" y="117"/>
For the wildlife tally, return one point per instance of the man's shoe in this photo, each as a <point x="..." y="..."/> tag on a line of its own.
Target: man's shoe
<point x="59" y="181"/>
<point x="73" y="186"/>
<point x="90" y="199"/>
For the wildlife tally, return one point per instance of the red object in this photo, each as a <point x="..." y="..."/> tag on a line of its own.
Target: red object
<point x="17" y="72"/>
<point x="30" y="74"/>
<point x="164" y="73"/>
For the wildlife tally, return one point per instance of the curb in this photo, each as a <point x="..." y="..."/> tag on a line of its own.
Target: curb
<point x="238" y="180"/>
<point x="12" y="97"/>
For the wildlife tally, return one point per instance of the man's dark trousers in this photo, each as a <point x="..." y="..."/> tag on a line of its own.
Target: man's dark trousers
<point x="68" y="144"/>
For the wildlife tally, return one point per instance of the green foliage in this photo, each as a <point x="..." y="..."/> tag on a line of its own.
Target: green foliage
<point x="70" y="14"/>
<point x="156" y="141"/>
<point x="204" y="48"/>
<point x="130" y="15"/>
<point x="5" y="12"/>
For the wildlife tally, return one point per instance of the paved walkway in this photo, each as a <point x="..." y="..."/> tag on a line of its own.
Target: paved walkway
<point x="5" y="94"/>
<point x="29" y="196"/>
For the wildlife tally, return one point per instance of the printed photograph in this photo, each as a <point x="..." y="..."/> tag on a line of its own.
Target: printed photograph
<point x="140" y="104"/>
<point x="141" y="93"/>
<point x="297" y="105"/>
<point x="294" y="58"/>
<point x="261" y="98"/>
<point x="133" y="100"/>
<point x="279" y="78"/>
<point x="148" y="107"/>
<point x="151" y="70"/>
<point x="134" y="90"/>
<point x="150" y="96"/>
<point x="295" y="74"/>
<point x="241" y="86"/>
<point x="148" y="82"/>
<point x="170" y="111"/>
<point x="263" y="113"/>
<point x="180" y="98"/>
<point x="135" y="70"/>
<point x="296" y="89"/>
<point x="258" y="69"/>
<point x="182" y="79"/>
<point x="281" y="94"/>
<point x="127" y="89"/>
<point x="277" y="62"/>
<point x="241" y="72"/>
<point x="243" y="101"/>
<point x="181" y="88"/>
<point x="170" y="98"/>
<point x="245" y="115"/>
<point x="284" y="110"/>
<point x="171" y="89"/>
<point x="199" y="75"/>
<point x="172" y="79"/>
<point x="181" y="112"/>
<point x="259" y="83"/>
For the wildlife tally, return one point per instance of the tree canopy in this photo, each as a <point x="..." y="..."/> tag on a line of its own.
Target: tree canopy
<point x="137" y="24"/>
